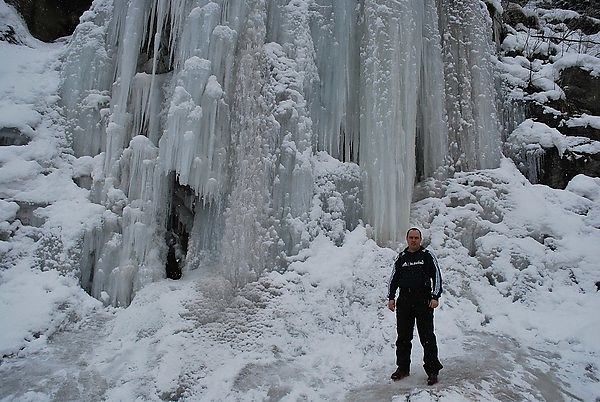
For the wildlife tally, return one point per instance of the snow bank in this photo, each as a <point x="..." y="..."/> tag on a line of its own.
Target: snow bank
<point x="35" y="304"/>
<point x="585" y="186"/>
<point x="526" y="255"/>
<point x="42" y="212"/>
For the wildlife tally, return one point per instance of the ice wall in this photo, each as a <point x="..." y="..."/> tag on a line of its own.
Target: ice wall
<point x="230" y="133"/>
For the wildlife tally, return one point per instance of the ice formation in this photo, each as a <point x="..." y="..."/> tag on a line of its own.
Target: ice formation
<point x="230" y="134"/>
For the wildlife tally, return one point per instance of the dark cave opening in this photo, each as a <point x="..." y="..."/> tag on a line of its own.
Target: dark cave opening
<point x="179" y="226"/>
<point x="12" y="136"/>
<point x="48" y="20"/>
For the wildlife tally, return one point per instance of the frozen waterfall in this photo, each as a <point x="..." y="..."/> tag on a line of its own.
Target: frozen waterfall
<point x="231" y="133"/>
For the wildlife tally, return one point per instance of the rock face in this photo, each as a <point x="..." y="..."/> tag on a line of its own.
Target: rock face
<point x="582" y="96"/>
<point x="49" y="20"/>
<point x="8" y="34"/>
<point x="587" y="7"/>
<point x="12" y="136"/>
<point x="514" y="14"/>
<point x="539" y="46"/>
<point x="557" y="171"/>
<point x="581" y="89"/>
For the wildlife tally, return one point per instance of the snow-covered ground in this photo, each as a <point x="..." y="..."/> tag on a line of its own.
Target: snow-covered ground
<point x="518" y="319"/>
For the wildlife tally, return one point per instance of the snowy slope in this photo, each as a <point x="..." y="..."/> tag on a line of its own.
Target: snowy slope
<point x="41" y="208"/>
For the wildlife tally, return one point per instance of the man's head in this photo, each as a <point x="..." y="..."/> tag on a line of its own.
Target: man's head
<point x="413" y="239"/>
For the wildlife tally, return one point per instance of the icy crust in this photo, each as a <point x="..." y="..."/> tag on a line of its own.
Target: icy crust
<point x="337" y="205"/>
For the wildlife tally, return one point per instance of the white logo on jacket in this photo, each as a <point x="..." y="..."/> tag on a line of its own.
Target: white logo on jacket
<point x="408" y="264"/>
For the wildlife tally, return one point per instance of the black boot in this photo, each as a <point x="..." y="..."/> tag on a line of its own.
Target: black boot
<point x="399" y="374"/>
<point x="432" y="379"/>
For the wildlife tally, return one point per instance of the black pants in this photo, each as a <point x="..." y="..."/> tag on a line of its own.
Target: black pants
<point x="413" y="305"/>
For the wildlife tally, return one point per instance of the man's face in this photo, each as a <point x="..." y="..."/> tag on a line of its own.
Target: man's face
<point x="413" y="239"/>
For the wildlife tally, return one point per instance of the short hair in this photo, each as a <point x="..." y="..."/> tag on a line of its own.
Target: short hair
<point x="414" y="228"/>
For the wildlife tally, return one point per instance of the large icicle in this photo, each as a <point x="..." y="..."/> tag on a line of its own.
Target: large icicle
<point x="474" y="131"/>
<point x="83" y="99"/>
<point x="432" y="128"/>
<point x="248" y="232"/>
<point x="391" y="67"/>
<point x="334" y="107"/>
<point x="118" y="130"/>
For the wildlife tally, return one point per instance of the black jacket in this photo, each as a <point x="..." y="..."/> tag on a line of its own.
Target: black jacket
<point x="417" y="270"/>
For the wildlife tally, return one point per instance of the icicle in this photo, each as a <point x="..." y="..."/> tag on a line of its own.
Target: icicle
<point x="195" y="138"/>
<point x="391" y="67"/>
<point x="470" y="89"/>
<point x="432" y="130"/>
<point x="83" y="100"/>
<point x="221" y="54"/>
<point x="334" y="105"/>
<point x="118" y="133"/>
<point x="196" y="33"/>
<point x="146" y="100"/>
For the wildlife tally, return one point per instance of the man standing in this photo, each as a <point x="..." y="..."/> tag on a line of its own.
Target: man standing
<point x="417" y="275"/>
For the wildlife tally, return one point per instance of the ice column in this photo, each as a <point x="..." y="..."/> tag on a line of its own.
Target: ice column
<point x="474" y="131"/>
<point x="334" y="106"/>
<point x="432" y="122"/>
<point x="248" y="232"/>
<point x="88" y="55"/>
<point x="390" y="70"/>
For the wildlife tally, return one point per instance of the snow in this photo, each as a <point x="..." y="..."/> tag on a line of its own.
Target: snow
<point x="584" y="120"/>
<point x="43" y="211"/>
<point x="34" y="304"/>
<point x="550" y="49"/>
<point x="588" y="187"/>
<point x="585" y="61"/>
<point x="529" y="141"/>
<point x="518" y="317"/>
<point x="531" y="132"/>
<point x="299" y="333"/>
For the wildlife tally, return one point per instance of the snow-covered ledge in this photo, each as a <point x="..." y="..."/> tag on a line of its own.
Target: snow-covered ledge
<point x="531" y="143"/>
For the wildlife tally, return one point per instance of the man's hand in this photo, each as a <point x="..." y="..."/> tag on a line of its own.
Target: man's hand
<point x="392" y="305"/>
<point x="433" y="303"/>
